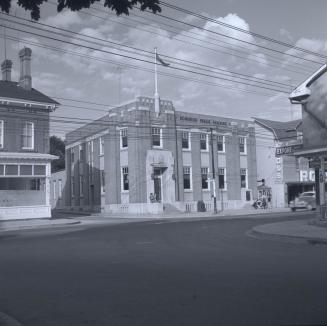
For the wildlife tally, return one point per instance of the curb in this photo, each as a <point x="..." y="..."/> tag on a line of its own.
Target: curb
<point x="6" y="320"/>
<point x="274" y="236"/>
<point x="31" y="227"/>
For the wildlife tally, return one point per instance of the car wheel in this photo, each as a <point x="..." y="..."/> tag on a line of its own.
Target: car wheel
<point x="309" y="207"/>
<point x="293" y="209"/>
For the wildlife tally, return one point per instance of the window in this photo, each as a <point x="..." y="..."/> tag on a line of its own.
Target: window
<point x="72" y="156"/>
<point x="125" y="183"/>
<point x="186" y="140"/>
<point x="156" y="137"/>
<point x="221" y="143"/>
<point x="11" y="169"/>
<point x="203" y="142"/>
<point x="187" y="178"/>
<point x="1" y="133"/>
<point x="243" y="178"/>
<point x="222" y="178"/>
<point x="81" y="153"/>
<point x="59" y="188"/>
<point x="39" y="169"/>
<point x="81" y="186"/>
<point x="101" y="141"/>
<point x="54" y="189"/>
<point x="72" y="185"/>
<point x="204" y="178"/>
<point x="103" y="182"/>
<point x="26" y="170"/>
<point x="242" y="143"/>
<point x="28" y="135"/>
<point x="123" y="138"/>
<point x="35" y="184"/>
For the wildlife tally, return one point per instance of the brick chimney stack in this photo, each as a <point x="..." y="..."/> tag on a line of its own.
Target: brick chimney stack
<point x="6" y="70"/>
<point x="25" y="79"/>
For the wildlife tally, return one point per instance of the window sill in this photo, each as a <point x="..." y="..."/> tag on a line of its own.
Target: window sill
<point x="221" y="152"/>
<point x="186" y="149"/>
<point x="124" y="148"/>
<point x="204" y="150"/>
<point x="243" y="154"/>
<point x="188" y="190"/>
<point x="125" y="191"/>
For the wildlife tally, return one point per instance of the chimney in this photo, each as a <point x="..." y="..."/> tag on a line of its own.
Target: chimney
<point x="25" y="79"/>
<point x="6" y="70"/>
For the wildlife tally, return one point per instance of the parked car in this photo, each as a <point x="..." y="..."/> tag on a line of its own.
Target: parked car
<point x="306" y="200"/>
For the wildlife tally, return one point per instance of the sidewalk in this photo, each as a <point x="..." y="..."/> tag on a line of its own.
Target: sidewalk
<point x="64" y="219"/>
<point x="312" y="231"/>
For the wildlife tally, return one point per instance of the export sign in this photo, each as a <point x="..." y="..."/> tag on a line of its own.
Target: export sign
<point x="287" y="150"/>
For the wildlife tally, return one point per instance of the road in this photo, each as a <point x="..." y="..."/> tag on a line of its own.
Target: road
<point x="162" y="273"/>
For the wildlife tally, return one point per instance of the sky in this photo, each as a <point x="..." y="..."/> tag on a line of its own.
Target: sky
<point x="68" y="72"/>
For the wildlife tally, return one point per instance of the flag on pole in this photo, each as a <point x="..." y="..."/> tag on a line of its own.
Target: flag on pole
<point x="165" y="64"/>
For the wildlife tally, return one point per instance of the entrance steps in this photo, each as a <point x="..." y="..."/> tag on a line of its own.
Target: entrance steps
<point x="170" y="209"/>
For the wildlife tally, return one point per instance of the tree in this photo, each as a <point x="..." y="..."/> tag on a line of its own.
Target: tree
<point x="57" y="147"/>
<point x="118" y="6"/>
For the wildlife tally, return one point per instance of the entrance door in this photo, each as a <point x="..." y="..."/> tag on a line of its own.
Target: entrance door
<point x="157" y="188"/>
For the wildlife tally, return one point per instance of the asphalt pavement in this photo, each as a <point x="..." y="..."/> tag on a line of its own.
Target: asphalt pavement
<point x="161" y="273"/>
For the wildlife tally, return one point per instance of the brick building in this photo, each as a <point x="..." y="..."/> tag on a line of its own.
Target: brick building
<point x="141" y="159"/>
<point x="24" y="144"/>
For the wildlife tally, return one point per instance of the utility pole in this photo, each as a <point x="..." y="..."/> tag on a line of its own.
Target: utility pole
<point x="213" y="174"/>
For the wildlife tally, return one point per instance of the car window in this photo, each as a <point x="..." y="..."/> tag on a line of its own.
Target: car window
<point x="307" y="194"/>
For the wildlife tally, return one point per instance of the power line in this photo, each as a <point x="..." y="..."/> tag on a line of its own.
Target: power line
<point x="200" y="40"/>
<point x="138" y="59"/>
<point x="266" y="38"/>
<point x="137" y="67"/>
<point x="234" y="38"/>
<point x="148" y="53"/>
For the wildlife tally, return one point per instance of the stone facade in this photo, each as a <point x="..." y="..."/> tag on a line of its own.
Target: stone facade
<point x="137" y="160"/>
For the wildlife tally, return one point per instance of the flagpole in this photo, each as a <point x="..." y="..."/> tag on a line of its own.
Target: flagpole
<point x="156" y="94"/>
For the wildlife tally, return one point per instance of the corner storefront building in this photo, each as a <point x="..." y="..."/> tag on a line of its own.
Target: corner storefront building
<point x="312" y="96"/>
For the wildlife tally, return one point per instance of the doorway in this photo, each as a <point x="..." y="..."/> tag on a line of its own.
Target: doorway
<point x="157" y="183"/>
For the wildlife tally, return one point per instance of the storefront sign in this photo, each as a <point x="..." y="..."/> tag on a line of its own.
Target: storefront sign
<point x="287" y="150"/>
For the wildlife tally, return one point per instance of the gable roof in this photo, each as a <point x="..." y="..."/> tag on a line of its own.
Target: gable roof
<point x="12" y="90"/>
<point x="282" y="130"/>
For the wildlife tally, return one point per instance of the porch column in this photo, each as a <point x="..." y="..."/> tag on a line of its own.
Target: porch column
<point x="47" y="184"/>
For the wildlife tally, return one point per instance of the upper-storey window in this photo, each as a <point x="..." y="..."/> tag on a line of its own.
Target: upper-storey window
<point x="1" y="133"/>
<point x="81" y="153"/>
<point x="185" y="140"/>
<point x="242" y="143"/>
<point x="156" y="137"/>
<point x="221" y="143"/>
<point x="123" y="138"/>
<point x="203" y="142"/>
<point x="72" y="156"/>
<point x="101" y="143"/>
<point x="28" y="135"/>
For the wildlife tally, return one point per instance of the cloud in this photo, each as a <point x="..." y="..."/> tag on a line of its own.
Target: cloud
<point x="64" y="19"/>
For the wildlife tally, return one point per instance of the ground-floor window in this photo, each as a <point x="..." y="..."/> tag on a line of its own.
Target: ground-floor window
<point x="103" y="182"/>
<point x="222" y="178"/>
<point x="204" y="178"/>
<point x="125" y="182"/>
<point x="187" y="177"/>
<point x="243" y="178"/>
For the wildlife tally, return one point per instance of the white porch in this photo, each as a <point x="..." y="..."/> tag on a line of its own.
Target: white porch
<point x="25" y="185"/>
